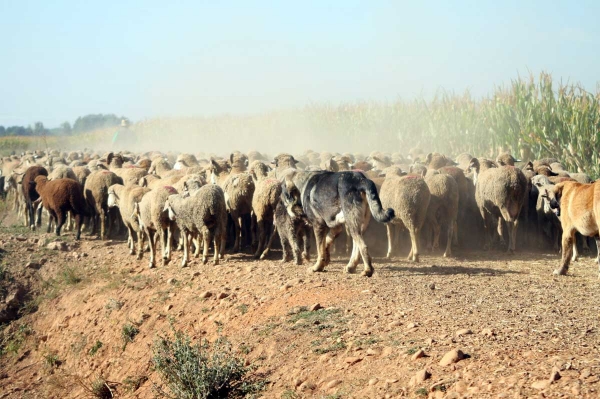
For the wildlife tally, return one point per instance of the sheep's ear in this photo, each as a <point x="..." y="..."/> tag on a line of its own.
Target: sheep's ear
<point x="214" y="163"/>
<point x="275" y="160"/>
<point x="109" y="158"/>
<point x="428" y="157"/>
<point x="231" y="158"/>
<point x="423" y="173"/>
<point x="294" y="160"/>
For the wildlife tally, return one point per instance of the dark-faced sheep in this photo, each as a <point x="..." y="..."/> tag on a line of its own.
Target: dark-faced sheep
<point x="152" y="218"/>
<point x="409" y="197"/>
<point x="500" y="194"/>
<point x="30" y="194"/>
<point x="203" y="212"/>
<point x="60" y="197"/>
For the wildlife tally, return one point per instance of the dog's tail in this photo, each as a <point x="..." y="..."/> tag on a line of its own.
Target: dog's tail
<point x="381" y="215"/>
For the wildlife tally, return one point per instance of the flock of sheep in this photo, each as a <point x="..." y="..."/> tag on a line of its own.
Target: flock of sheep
<point x="195" y="202"/>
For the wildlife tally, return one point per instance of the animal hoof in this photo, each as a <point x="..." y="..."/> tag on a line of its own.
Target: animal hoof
<point x="204" y="260"/>
<point x="559" y="272"/>
<point x="350" y="270"/>
<point x="183" y="264"/>
<point x="367" y="273"/>
<point x="151" y="265"/>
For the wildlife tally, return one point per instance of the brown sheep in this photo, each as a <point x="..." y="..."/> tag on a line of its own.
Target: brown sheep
<point x="506" y="159"/>
<point x="500" y="194"/>
<point x="153" y="219"/>
<point x="409" y="197"/>
<point x="31" y="195"/>
<point x="59" y="197"/>
<point x="436" y="160"/>
<point x="443" y="208"/>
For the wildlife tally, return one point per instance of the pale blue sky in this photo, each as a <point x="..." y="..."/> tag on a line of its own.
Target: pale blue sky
<point x="144" y="59"/>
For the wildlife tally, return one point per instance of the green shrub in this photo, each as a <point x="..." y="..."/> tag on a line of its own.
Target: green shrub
<point x="202" y="371"/>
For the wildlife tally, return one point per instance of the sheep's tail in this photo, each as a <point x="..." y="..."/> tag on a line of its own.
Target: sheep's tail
<point x="381" y="215"/>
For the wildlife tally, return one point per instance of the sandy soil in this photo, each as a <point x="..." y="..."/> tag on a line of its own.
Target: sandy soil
<point x="523" y="332"/>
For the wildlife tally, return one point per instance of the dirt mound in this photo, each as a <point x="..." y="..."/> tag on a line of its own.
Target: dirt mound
<point x="479" y="325"/>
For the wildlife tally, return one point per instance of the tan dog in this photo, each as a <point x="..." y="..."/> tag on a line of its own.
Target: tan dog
<point x="578" y="206"/>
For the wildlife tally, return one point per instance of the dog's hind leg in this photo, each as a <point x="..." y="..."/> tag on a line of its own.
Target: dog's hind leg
<point x="354" y="259"/>
<point x="320" y="237"/>
<point x="329" y="240"/>
<point x="567" y="251"/>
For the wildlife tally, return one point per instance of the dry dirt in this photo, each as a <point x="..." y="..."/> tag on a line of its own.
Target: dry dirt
<point x="512" y="319"/>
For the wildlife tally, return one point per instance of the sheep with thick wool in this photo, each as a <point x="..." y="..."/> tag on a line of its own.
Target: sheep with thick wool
<point x="152" y="219"/>
<point x="204" y="213"/>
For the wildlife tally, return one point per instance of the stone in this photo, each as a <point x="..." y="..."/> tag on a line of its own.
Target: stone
<point x="464" y="331"/>
<point x="315" y="307"/>
<point x="206" y="294"/>
<point x="540" y="385"/>
<point x="222" y="295"/>
<point x="418" y="354"/>
<point x="333" y="384"/>
<point x="352" y="360"/>
<point x="451" y="357"/>
<point x="555" y="374"/>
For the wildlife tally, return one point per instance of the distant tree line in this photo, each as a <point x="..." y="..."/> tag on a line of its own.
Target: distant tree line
<point x="82" y="124"/>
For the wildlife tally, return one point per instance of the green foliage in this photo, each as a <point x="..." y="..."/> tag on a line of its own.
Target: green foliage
<point x="202" y="371"/>
<point x="132" y="384"/>
<point x="52" y="360"/>
<point x="421" y="392"/>
<point x="69" y="276"/>
<point x="12" y="338"/>
<point x="95" y="348"/>
<point x="95" y="121"/>
<point x="99" y="389"/>
<point x="128" y="333"/>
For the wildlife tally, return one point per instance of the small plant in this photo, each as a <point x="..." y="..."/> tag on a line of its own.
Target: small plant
<point x="243" y="308"/>
<point x="128" y="333"/>
<point x="52" y="360"/>
<point x="11" y="339"/>
<point x="132" y="384"/>
<point x="202" y="370"/>
<point x="69" y="276"/>
<point x="412" y="351"/>
<point x="100" y="389"/>
<point x="289" y="394"/>
<point x="421" y="392"/>
<point x="114" y="304"/>
<point x="332" y="348"/>
<point x="95" y="348"/>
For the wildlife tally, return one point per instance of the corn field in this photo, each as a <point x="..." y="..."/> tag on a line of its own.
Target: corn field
<point x="532" y="118"/>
